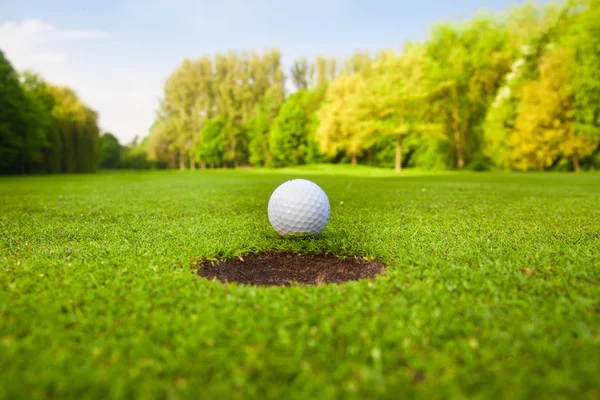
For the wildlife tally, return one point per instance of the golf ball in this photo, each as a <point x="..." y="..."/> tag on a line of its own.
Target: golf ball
<point x="298" y="206"/>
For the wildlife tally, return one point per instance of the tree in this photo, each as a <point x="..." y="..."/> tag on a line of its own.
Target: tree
<point x="532" y="31"/>
<point x="260" y="125"/>
<point x="110" y="151"/>
<point x="320" y="69"/>
<point x="52" y="150"/>
<point x="161" y="143"/>
<point x="135" y="155"/>
<point x="468" y="64"/>
<point x="78" y="129"/>
<point x="44" y="128"/>
<point x="311" y="101"/>
<point x="585" y="67"/>
<point x="545" y="126"/>
<point x="212" y="143"/>
<point x="339" y="129"/>
<point x="22" y="120"/>
<point x="501" y="117"/>
<point x="358" y="62"/>
<point x="180" y="104"/>
<point x="392" y="97"/>
<point x="300" y="73"/>
<point x="287" y="137"/>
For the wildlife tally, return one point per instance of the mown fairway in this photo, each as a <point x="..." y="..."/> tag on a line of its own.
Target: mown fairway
<point x="492" y="290"/>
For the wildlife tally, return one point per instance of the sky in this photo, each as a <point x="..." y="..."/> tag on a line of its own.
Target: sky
<point x="117" y="54"/>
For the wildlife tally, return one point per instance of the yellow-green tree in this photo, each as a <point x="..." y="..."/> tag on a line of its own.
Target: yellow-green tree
<point x="162" y="142"/>
<point x="231" y="88"/>
<point x="533" y="31"/>
<point x="583" y="38"/>
<point x="79" y="130"/>
<point x="468" y="65"/>
<point x="545" y="126"/>
<point x="340" y="127"/>
<point x="391" y="99"/>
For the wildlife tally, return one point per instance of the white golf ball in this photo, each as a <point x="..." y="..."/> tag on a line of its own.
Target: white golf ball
<point x="298" y="206"/>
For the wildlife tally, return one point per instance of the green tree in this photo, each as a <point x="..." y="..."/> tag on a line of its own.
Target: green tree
<point x="212" y="143"/>
<point x="78" y="129"/>
<point x="392" y="98"/>
<point x="583" y="38"/>
<point x="110" y="151"/>
<point x="22" y="121"/>
<point x="468" y="65"/>
<point x="287" y="138"/>
<point x="311" y="101"/>
<point x="52" y="149"/>
<point x="260" y="126"/>
<point x="135" y="155"/>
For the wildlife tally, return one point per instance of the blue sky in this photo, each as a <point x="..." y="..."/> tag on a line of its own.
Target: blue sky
<point x="117" y="54"/>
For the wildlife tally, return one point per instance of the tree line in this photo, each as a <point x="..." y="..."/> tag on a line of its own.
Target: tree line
<point x="518" y="90"/>
<point x="44" y="128"/>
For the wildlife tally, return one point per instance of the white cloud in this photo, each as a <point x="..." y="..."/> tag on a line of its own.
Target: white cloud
<point x="123" y="93"/>
<point x="32" y="39"/>
<point x="35" y="30"/>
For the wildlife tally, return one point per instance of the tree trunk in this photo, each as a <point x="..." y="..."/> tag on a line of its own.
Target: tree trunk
<point x="173" y="161"/>
<point x="399" y="154"/>
<point x="575" y="159"/>
<point x="192" y="161"/>
<point x="354" y="158"/>
<point x="212" y="165"/>
<point x="181" y="160"/>
<point x="202" y="164"/>
<point x="460" y="156"/>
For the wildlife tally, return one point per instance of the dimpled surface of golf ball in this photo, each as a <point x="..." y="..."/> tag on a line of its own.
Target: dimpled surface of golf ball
<point x="298" y="206"/>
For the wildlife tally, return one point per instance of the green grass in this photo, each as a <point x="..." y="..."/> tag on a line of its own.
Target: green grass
<point x="98" y="296"/>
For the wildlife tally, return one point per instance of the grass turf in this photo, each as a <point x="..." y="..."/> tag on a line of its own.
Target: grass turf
<point x="492" y="290"/>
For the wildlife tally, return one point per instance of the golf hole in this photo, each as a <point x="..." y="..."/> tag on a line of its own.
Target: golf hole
<point x="284" y="269"/>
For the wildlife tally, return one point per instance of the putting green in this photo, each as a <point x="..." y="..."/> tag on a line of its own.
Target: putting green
<point x="492" y="287"/>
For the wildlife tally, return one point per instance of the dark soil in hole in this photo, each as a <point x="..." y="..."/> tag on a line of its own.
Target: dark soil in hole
<point x="286" y="268"/>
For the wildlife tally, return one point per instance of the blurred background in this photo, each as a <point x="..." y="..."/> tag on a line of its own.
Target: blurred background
<point x="471" y="84"/>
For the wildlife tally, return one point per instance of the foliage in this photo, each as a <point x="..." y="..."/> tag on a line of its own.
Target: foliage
<point x="392" y="100"/>
<point x="260" y="124"/>
<point x="468" y="64"/>
<point x="300" y="72"/>
<point x="287" y="137"/>
<point x="212" y="140"/>
<point x="135" y="156"/>
<point x="110" y="151"/>
<point x="44" y="128"/>
<point x="22" y="121"/>
<point x="231" y="87"/>
<point x="339" y="129"/>
<point x="545" y="127"/>
<point x="311" y="101"/>
<point x="584" y="68"/>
